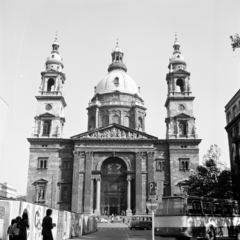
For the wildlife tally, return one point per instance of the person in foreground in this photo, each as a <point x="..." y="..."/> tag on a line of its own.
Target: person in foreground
<point x="23" y="224"/>
<point x="47" y="226"/>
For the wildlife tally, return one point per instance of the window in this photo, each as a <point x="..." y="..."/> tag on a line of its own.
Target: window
<point x="105" y="120"/>
<point x="116" y="119"/>
<point x="139" y="127"/>
<point x="180" y="84"/>
<point x="234" y="111"/>
<point x="217" y="208"/>
<point x="160" y="165"/>
<point x="42" y="163"/>
<point x="182" y="127"/>
<point x="46" y="128"/>
<point x="228" y="117"/>
<point x="50" y="84"/>
<point x="40" y="191"/>
<point x="66" y="164"/>
<point x="184" y="164"/>
<point x="116" y="81"/>
<point x="92" y="123"/>
<point x="126" y="121"/>
<point x="65" y="193"/>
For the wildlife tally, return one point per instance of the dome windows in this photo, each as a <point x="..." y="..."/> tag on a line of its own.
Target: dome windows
<point x="116" y="81"/>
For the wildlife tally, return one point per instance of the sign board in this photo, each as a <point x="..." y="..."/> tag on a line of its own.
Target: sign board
<point x="152" y="205"/>
<point x="152" y="188"/>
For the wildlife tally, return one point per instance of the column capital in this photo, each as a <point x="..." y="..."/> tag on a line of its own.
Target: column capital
<point x="129" y="178"/>
<point x="141" y="155"/>
<point x="80" y="154"/>
<point x="150" y="154"/>
<point x="89" y="154"/>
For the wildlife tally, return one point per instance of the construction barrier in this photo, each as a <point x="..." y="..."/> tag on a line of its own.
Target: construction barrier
<point x="68" y="224"/>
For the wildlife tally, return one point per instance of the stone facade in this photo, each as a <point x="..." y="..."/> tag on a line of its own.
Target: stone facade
<point x="232" y="110"/>
<point x="108" y="168"/>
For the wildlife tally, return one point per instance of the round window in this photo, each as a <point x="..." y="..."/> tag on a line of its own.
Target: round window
<point x="48" y="107"/>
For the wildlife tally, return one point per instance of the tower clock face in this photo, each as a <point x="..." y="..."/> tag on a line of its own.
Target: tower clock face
<point x="181" y="107"/>
<point x="48" y="107"/>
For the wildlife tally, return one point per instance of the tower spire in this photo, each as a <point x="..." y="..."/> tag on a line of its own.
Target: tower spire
<point x="176" y="45"/>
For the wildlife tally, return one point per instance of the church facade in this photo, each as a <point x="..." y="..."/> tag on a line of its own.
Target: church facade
<point x="108" y="168"/>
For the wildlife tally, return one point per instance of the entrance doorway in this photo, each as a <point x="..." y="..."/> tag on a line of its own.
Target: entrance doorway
<point x="113" y="187"/>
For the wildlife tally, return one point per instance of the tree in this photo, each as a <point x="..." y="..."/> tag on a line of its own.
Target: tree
<point x="235" y="41"/>
<point x="212" y="178"/>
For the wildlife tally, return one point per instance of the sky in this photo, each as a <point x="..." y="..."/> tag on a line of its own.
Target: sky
<point x="87" y="33"/>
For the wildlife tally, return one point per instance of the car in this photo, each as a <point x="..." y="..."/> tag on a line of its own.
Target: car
<point x="103" y="220"/>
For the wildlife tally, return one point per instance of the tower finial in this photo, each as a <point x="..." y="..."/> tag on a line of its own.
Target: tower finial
<point x="56" y="36"/>
<point x="175" y="36"/>
<point x="117" y="42"/>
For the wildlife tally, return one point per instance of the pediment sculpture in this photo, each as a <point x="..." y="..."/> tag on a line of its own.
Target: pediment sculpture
<point x="114" y="133"/>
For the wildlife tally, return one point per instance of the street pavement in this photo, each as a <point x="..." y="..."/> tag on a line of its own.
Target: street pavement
<point x="119" y="231"/>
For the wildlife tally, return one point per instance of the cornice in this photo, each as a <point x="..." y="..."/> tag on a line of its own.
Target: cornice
<point x="233" y="122"/>
<point x="193" y="140"/>
<point x="52" y="98"/>
<point x="58" y="140"/>
<point x="177" y="98"/>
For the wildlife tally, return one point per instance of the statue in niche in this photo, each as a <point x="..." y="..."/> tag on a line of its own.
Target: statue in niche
<point x="124" y="134"/>
<point x="114" y="168"/>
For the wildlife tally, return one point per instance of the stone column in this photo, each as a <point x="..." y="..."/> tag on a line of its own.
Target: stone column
<point x="129" y="211"/>
<point x="87" y="184"/>
<point x="138" y="182"/>
<point x="98" y="200"/>
<point x="92" y="195"/>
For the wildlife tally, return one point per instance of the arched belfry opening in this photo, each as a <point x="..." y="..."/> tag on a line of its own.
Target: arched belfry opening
<point x="50" y="85"/>
<point x="180" y="85"/>
<point x="114" y="187"/>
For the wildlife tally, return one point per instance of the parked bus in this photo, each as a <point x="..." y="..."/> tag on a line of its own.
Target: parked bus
<point x="197" y="217"/>
<point x="140" y="222"/>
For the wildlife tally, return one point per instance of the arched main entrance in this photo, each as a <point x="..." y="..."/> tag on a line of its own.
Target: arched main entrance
<point x="114" y="187"/>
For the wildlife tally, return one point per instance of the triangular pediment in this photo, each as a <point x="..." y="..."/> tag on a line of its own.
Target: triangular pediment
<point x="40" y="181"/>
<point x="114" y="131"/>
<point x="182" y="115"/>
<point x="46" y="115"/>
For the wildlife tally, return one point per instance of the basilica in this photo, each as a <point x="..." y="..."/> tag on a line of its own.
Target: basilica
<point x="108" y="168"/>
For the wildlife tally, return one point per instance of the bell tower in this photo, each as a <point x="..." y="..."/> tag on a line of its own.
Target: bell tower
<point x="49" y="119"/>
<point x="180" y="121"/>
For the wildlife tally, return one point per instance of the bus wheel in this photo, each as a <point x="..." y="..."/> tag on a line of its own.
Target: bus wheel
<point x="210" y="234"/>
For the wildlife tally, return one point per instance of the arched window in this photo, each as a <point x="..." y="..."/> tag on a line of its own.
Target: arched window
<point x="139" y="126"/>
<point x="116" y="119"/>
<point x="45" y="164"/>
<point x="46" y="127"/>
<point x="92" y="123"/>
<point x="126" y="121"/>
<point x="180" y="85"/>
<point x="182" y="128"/>
<point x="50" y="85"/>
<point x="105" y="120"/>
<point x="41" y="164"/>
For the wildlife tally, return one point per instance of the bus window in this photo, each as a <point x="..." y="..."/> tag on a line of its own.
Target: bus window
<point x="175" y="206"/>
<point x="194" y="207"/>
<point x="162" y="207"/>
<point x="227" y="208"/>
<point x="207" y="207"/>
<point x="217" y="208"/>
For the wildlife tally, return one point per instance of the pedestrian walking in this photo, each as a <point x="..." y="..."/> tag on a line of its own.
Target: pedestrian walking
<point x="16" y="229"/>
<point x="10" y="230"/>
<point x="23" y="224"/>
<point x="47" y="226"/>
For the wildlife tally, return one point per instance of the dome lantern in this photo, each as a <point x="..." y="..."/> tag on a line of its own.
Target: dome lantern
<point x="117" y="59"/>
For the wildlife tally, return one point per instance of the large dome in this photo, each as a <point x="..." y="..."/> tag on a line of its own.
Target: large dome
<point x="117" y="80"/>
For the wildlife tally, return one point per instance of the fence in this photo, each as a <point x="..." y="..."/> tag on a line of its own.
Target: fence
<point x="68" y="224"/>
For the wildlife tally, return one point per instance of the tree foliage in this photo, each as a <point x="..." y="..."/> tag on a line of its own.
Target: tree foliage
<point x="212" y="179"/>
<point x="235" y="41"/>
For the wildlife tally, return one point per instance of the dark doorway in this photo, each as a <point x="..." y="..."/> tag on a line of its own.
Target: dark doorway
<point x="113" y="187"/>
